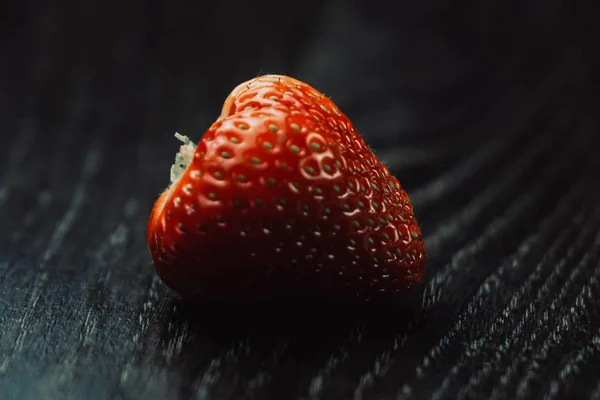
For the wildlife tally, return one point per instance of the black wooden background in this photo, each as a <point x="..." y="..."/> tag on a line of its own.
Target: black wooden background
<point x="486" y="111"/>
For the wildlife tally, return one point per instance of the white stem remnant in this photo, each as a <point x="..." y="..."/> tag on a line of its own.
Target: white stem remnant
<point x="183" y="158"/>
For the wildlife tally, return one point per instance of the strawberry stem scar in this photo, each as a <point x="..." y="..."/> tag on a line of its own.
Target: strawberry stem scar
<point x="183" y="158"/>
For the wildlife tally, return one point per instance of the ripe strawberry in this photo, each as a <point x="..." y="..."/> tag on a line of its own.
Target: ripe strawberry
<point x="282" y="196"/>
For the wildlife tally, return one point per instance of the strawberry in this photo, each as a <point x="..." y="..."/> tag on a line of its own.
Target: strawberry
<point x="282" y="197"/>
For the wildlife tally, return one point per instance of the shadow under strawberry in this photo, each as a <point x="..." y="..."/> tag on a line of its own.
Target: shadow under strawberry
<point x="223" y="348"/>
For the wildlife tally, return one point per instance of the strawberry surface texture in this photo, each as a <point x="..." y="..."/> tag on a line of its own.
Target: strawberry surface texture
<point x="282" y="197"/>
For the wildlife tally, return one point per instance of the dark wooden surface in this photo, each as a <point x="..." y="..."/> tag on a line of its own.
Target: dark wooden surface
<point x="486" y="111"/>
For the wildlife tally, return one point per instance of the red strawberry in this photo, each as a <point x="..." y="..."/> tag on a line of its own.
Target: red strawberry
<point x="282" y="196"/>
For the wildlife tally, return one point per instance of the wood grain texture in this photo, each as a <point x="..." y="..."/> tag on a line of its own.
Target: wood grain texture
<point x="487" y="113"/>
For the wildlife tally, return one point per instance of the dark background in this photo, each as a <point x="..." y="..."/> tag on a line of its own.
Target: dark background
<point x="486" y="111"/>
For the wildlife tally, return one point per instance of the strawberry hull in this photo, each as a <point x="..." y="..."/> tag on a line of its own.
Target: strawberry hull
<point x="284" y="198"/>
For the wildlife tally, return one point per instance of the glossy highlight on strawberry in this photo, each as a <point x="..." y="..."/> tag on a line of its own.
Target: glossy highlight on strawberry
<point x="282" y="197"/>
